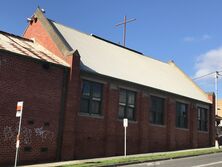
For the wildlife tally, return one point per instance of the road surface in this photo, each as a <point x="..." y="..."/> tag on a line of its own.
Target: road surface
<point x="210" y="160"/>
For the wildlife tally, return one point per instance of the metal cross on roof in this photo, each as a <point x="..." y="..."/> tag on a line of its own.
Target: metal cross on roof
<point x="124" y="30"/>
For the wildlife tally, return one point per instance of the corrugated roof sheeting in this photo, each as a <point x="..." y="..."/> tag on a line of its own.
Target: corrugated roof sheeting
<point x="28" y="48"/>
<point x="105" y="58"/>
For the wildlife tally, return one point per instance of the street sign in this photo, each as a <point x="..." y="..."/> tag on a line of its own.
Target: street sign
<point x="17" y="143"/>
<point x="125" y="122"/>
<point x="19" y="108"/>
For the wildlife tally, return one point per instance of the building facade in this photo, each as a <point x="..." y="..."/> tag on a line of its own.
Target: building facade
<point x="99" y="84"/>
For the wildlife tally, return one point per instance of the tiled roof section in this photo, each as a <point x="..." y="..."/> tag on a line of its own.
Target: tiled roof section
<point x="28" y="48"/>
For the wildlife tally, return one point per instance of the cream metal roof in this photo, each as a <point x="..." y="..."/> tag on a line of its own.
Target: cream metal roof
<point x="105" y="58"/>
<point x="28" y="48"/>
<point x="219" y="107"/>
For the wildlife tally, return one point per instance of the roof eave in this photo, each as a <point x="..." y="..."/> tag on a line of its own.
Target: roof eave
<point x="90" y="72"/>
<point x="186" y="76"/>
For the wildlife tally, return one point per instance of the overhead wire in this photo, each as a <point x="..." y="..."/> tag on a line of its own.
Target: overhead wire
<point x="218" y="73"/>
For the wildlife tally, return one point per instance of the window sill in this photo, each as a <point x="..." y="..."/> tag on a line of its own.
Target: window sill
<point x="184" y="129"/>
<point x="91" y="115"/>
<point x="205" y="132"/>
<point x="158" y="125"/>
<point x="129" y="121"/>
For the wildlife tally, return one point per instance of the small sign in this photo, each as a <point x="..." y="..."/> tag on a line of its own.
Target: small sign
<point x="125" y="122"/>
<point x="19" y="109"/>
<point x="17" y="143"/>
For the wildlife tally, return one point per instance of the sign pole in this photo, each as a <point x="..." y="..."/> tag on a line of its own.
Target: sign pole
<point x="125" y="141"/>
<point x="125" y="125"/>
<point x="18" y="114"/>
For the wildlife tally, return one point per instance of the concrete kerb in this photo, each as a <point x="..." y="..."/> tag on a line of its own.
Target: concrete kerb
<point x="73" y="162"/>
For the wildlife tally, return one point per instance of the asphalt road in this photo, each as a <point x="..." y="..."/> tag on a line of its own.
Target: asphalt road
<point x="211" y="160"/>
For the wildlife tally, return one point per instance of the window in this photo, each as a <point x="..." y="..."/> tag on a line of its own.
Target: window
<point x="202" y="119"/>
<point x="181" y="115"/>
<point x="127" y="101"/>
<point x="91" y="98"/>
<point x="157" y="110"/>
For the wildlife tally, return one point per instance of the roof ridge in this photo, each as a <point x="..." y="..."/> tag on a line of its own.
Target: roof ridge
<point x="96" y="36"/>
<point x="16" y="36"/>
<point x="124" y="47"/>
<point x="69" y="27"/>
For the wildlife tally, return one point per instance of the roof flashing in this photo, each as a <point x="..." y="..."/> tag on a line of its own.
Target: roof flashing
<point x="93" y="35"/>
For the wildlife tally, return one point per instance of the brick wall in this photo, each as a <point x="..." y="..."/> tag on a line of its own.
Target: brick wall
<point x="100" y="136"/>
<point x="72" y="107"/>
<point x="203" y="139"/>
<point x="85" y="136"/>
<point x="25" y="79"/>
<point x="37" y="32"/>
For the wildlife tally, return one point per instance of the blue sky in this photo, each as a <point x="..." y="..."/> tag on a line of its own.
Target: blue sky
<point x="186" y="31"/>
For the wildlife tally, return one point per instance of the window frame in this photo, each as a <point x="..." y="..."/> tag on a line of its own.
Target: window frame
<point x="126" y="105"/>
<point x="202" y="124"/>
<point x="153" y="113"/>
<point x="184" y="123"/>
<point x="91" y="98"/>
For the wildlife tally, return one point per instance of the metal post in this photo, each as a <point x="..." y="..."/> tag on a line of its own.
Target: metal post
<point x="216" y="92"/>
<point x="124" y="30"/>
<point x="18" y="141"/>
<point x="18" y="137"/>
<point x="125" y="125"/>
<point x="125" y="141"/>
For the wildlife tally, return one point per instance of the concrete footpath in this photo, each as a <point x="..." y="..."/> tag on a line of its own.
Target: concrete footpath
<point x="73" y="162"/>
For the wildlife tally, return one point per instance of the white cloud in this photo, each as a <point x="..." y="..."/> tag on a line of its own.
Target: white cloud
<point x="209" y="62"/>
<point x="206" y="37"/>
<point x="188" y="39"/>
<point x="197" y="39"/>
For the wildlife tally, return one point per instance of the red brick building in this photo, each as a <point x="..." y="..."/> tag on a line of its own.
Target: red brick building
<point x="82" y="99"/>
<point x="30" y="73"/>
